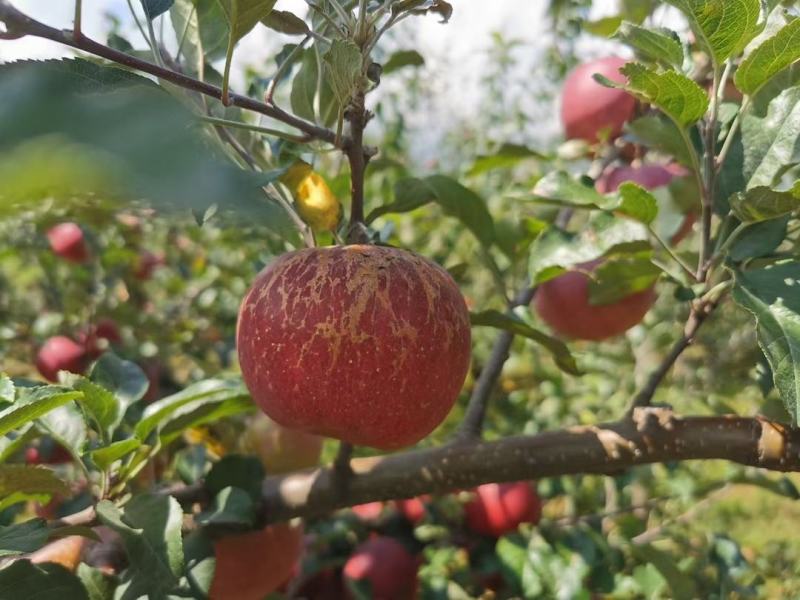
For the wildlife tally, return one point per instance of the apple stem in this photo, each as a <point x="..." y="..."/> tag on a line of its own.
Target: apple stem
<point x="357" y="116"/>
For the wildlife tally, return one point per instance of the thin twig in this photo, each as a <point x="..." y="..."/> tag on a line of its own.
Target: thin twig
<point x="472" y="425"/>
<point x="254" y="128"/>
<point x="21" y="23"/>
<point x="77" y="21"/>
<point x="707" y="189"/>
<point x="282" y="69"/>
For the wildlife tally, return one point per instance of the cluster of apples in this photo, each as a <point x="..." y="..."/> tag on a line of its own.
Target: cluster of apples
<point x="61" y="352"/>
<point x="596" y="114"/>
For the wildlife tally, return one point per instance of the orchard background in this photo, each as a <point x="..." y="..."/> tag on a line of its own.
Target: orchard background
<point x="618" y="212"/>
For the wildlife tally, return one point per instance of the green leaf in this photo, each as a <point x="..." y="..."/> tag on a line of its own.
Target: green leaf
<point x="631" y="200"/>
<point x="185" y="19"/>
<point x="238" y="471"/>
<point x="660" y="133"/>
<point x="123" y="378"/>
<point x="243" y="15"/>
<point x="32" y="404"/>
<point x="556" y="250"/>
<point x="402" y="58"/>
<point x="285" y="22"/>
<point x="30" y="480"/>
<point x="409" y="194"/>
<point x="304" y="87"/>
<point x="771" y="57"/>
<point x="761" y="204"/>
<point x="506" y="322"/>
<point x="724" y="28"/>
<point x="213" y="27"/>
<point x="637" y="203"/>
<point x="99" y="585"/>
<point x="24" y="537"/>
<point x="105" y="457"/>
<point x="464" y="204"/>
<point x="622" y="275"/>
<point x="343" y="69"/>
<point x="100" y="404"/>
<point x="47" y="581"/>
<point x="67" y="426"/>
<point x="421" y="7"/>
<point x="210" y="390"/>
<point x="657" y="45"/>
<point x="7" y="392"/>
<point x="202" y="411"/>
<point x="759" y="239"/>
<point x="150" y="528"/>
<point x="770" y="139"/>
<point x="770" y="295"/>
<point x="681" y="585"/>
<point x="677" y="96"/>
<point x="507" y="156"/>
<point x="154" y="8"/>
<point x="232" y="508"/>
<point x="604" y="27"/>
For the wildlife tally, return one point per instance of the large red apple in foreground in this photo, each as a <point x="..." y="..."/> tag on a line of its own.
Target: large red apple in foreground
<point x="588" y="109"/>
<point x="499" y="508"/>
<point x="60" y="353"/>
<point x="388" y="567"/>
<point x="252" y="565"/>
<point x="281" y="450"/>
<point x="563" y="303"/>
<point x="366" y="344"/>
<point x="66" y="241"/>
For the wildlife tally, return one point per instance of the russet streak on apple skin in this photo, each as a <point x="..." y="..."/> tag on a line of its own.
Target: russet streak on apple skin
<point x="365" y="344"/>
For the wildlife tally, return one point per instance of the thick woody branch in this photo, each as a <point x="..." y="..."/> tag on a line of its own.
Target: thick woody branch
<point x="19" y="24"/>
<point x="652" y="436"/>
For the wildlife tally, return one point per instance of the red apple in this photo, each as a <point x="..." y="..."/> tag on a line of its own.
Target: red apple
<point x="563" y="303"/>
<point x="369" y="511"/>
<point x="687" y="226"/>
<point x="649" y="177"/>
<point x="499" y="508"/>
<point x="146" y="263"/>
<point x="97" y="338"/>
<point x="60" y="353"/>
<point x="413" y="509"/>
<point x="252" y="565"/>
<point x="366" y="344"/>
<point x="152" y="369"/>
<point x="281" y="450"/>
<point x="325" y="585"/>
<point x="388" y="567"/>
<point x="588" y="108"/>
<point x="67" y="241"/>
<point x="58" y="455"/>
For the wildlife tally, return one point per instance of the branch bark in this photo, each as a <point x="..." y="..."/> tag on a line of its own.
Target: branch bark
<point x="652" y="436"/>
<point x="20" y="25"/>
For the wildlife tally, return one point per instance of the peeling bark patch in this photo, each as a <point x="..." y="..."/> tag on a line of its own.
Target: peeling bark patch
<point x="365" y="344"/>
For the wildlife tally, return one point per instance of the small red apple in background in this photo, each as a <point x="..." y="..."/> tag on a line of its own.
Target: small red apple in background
<point x="413" y="509"/>
<point x="65" y="552"/>
<point x="146" y="263"/>
<point x="58" y="455"/>
<point x="589" y="108"/>
<point x="152" y="369"/>
<point x="563" y="303"/>
<point x="325" y="585"/>
<point x="60" y="353"/>
<point x="388" y="567"/>
<point x="369" y="511"/>
<point x="252" y="565"/>
<point x="649" y="177"/>
<point x="67" y="241"/>
<point x="365" y="344"/>
<point x="281" y="450"/>
<point x="97" y="338"/>
<point x="499" y="508"/>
